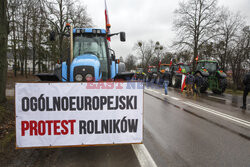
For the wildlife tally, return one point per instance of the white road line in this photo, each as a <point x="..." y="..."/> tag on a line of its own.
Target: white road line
<point x="175" y="98"/>
<point x="220" y="98"/>
<point x="143" y="156"/>
<point x="235" y="119"/>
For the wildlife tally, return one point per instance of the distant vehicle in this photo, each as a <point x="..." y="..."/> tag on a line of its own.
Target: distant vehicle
<point x="139" y="74"/>
<point x="176" y="72"/>
<point x="213" y="78"/>
<point x="151" y="74"/>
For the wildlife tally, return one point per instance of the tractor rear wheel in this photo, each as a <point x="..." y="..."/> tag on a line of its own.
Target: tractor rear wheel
<point x="222" y="86"/>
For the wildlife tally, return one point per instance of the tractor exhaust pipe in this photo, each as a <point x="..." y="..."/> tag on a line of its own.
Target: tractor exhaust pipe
<point x="70" y="58"/>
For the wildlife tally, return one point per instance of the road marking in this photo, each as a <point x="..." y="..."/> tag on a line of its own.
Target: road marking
<point x="220" y="98"/>
<point x="143" y="156"/>
<point x="235" y="119"/>
<point x="175" y="98"/>
<point x="155" y="91"/>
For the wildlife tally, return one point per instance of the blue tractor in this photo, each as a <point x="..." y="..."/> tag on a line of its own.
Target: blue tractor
<point x="90" y="59"/>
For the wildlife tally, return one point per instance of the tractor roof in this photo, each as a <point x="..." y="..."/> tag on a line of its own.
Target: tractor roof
<point x="210" y="61"/>
<point x="89" y="30"/>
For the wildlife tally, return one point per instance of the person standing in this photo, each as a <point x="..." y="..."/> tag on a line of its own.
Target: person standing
<point x="197" y="84"/>
<point x="189" y="84"/>
<point x="166" y="80"/>
<point x="246" y="82"/>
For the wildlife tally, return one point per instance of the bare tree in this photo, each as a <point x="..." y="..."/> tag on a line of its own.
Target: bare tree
<point x="146" y="51"/>
<point x="195" y="24"/>
<point x="240" y="56"/>
<point x="158" y="52"/>
<point x="229" y="27"/>
<point x="62" y="11"/>
<point x="3" y="48"/>
<point x="130" y="62"/>
<point x="140" y="48"/>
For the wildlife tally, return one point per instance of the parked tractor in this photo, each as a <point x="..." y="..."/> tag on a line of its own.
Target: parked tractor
<point x="176" y="72"/>
<point x="213" y="78"/>
<point x="139" y="74"/>
<point x="90" y="59"/>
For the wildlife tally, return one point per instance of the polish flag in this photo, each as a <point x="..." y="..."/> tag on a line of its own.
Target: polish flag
<point x="170" y="62"/>
<point x="159" y="63"/>
<point x="107" y="21"/>
<point x="183" y="82"/>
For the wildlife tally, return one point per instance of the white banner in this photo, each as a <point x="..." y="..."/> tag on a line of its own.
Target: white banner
<point x="73" y="114"/>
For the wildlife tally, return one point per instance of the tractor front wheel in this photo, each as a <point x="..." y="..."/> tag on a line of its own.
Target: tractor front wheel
<point x="204" y="85"/>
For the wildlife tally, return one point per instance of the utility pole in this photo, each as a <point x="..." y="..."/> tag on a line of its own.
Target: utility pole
<point x="3" y="48"/>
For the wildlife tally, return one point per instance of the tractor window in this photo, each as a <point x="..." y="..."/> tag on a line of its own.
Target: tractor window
<point x="163" y="67"/>
<point x="139" y="70"/>
<point x="200" y="65"/>
<point x="176" y="68"/>
<point x="211" y="67"/>
<point x="186" y="67"/>
<point x="154" y="69"/>
<point x="95" y="45"/>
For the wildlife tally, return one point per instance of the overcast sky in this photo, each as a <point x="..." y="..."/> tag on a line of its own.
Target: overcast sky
<point x="146" y="19"/>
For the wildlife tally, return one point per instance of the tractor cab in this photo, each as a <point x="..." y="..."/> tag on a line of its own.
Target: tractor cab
<point x="181" y="68"/>
<point x="163" y="67"/>
<point x="152" y="69"/>
<point x="210" y="66"/>
<point x="90" y="58"/>
<point x="93" y="59"/>
<point x="139" y="70"/>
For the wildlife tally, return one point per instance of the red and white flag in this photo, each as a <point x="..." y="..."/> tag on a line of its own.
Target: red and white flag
<point x="159" y="63"/>
<point x="170" y="63"/>
<point x="107" y="20"/>
<point x="183" y="82"/>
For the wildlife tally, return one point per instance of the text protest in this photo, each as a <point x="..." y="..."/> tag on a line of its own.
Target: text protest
<point x="68" y="114"/>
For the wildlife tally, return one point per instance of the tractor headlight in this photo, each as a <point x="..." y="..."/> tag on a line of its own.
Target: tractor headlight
<point x="89" y="77"/>
<point x="78" y="77"/>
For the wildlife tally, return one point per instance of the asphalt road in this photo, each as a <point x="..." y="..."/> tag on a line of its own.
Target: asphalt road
<point x="177" y="134"/>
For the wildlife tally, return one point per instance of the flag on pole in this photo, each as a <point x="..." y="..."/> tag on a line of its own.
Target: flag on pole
<point x="107" y="21"/>
<point x="183" y="82"/>
<point x="170" y="63"/>
<point x="159" y="63"/>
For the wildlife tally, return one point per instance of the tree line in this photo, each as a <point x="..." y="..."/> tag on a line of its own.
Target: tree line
<point x="25" y="26"/>
<point x="205" y="31"/>
<point x="31" y="22"/>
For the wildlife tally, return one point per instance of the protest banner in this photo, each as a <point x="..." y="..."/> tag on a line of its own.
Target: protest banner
<point x="78" y="114"/>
